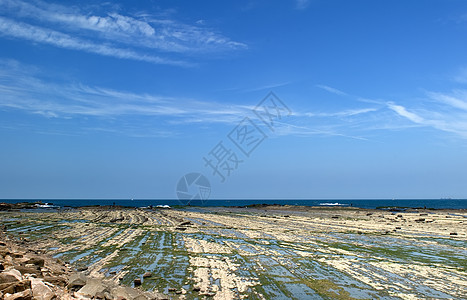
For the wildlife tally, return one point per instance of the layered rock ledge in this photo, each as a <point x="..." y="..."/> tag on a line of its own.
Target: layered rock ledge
<point x="27" y="273"/>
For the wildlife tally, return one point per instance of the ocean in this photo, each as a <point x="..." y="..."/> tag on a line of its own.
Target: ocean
<point x="367" y="203"/>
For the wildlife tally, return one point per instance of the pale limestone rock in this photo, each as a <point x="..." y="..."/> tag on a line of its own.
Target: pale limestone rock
<point x="41" y="291"/>
<point x="93" y="286"/>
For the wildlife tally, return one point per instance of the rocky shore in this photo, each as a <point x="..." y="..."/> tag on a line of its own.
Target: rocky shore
<point x="26" y="273"/>
<point x="21" y="205"/>
<point x="262" y="252"/>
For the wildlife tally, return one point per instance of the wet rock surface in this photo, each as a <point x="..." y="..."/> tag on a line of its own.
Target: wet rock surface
<point x="28" y="275"/>
<point x="263" y="252"/>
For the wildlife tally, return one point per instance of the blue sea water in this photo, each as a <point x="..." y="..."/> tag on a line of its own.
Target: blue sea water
<point x="406" y="203"/>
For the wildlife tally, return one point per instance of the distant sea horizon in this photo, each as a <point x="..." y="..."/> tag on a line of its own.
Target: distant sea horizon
<point x="360" y="203"/>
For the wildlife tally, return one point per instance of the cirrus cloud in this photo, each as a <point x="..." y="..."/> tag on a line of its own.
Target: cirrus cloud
<point x="143" y="37"/>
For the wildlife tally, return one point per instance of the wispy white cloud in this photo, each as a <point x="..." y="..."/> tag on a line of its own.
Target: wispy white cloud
<point x="343" y="113"/>
<point x="402" y="111"/>
<point x="268" y="87"/>
<point x="302" y="4"/>
<point x="24" y="89"/>
<point x="110" y="34"/>
<point x="458" y="98"/>
<point x="286" y="129"/>
<point x="448" y="115"/>
<point x="461" y="76"/>
<point x="54" y="13"/>
<point x="331" y="89"/>
<point x="42" y="35"/>
<point x="47" y="114"/>
<point x="441" y="111"/>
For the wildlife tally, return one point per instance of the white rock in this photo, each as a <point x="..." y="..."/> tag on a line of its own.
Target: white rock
<point x="13" y="272"/>
<point x="93" y="286"/>
<point x="40" y="291"/>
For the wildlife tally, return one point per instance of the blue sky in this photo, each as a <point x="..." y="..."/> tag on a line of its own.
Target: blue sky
<point x="121" y="99"/>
